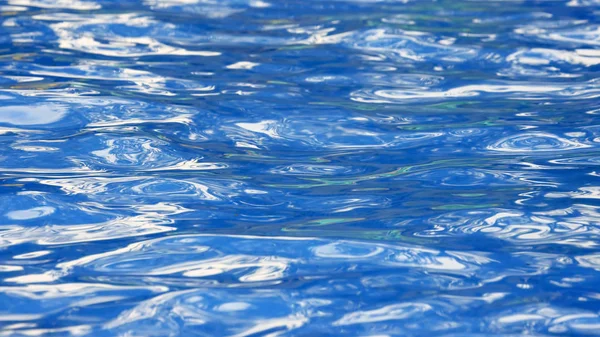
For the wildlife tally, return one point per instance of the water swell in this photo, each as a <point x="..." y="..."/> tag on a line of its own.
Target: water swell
<point x="284" y="168"/>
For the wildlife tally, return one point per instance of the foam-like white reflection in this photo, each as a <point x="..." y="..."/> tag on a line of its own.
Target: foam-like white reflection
<point x="32" y="114"/>
<point x="151" y="219"/>
<point x="82" y="5"/>
<point x="80" y="33"/>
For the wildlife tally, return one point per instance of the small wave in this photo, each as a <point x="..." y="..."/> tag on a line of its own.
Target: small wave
<point x="536" y="142"/>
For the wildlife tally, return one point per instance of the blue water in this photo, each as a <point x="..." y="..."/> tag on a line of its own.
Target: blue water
<point x="299" y="168"/>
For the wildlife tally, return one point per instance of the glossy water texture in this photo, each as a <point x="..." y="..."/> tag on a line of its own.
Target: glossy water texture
<point x="299" y="168"/>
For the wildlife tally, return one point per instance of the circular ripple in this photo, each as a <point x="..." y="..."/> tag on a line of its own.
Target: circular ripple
<point x="467" y="132"/>
<point x="464" y="177"/>
<point x="312" y="170"/>
<point x="535" y="142"/>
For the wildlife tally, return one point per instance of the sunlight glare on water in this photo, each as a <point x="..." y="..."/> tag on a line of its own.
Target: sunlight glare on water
<point x="299" y="168"/>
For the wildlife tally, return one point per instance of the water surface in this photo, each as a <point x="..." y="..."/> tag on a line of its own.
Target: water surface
<point x="299" y="168"/>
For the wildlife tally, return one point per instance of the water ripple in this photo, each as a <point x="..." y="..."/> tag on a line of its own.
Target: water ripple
<point x="536" y="142"/>
<point x="299" y="168"/>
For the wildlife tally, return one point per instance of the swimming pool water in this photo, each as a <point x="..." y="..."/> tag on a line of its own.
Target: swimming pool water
<point x="299" y="168"/>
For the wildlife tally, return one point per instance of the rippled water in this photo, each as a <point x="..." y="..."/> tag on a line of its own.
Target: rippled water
<point x="299" y="168"/>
